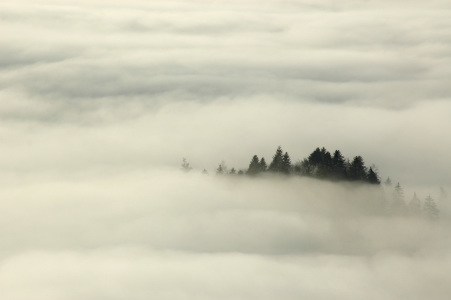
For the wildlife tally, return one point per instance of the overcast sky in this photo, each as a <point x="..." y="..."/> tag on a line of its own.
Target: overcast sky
<point x="100" y="100"/>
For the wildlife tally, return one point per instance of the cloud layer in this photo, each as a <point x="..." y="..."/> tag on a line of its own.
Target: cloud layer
<point x="99" y="101"/>
<point x="167" y="234"/>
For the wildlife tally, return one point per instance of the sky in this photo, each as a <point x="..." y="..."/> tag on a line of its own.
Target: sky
<point x="101" y="100"/>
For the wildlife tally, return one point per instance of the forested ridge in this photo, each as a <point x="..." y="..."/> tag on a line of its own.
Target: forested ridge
<point x="323" y="165"/>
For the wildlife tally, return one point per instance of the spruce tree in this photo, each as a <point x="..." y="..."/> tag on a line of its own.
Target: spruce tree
<point x="277" y="160"/>
<point x="286" y="164"/>
<point x="263" y="166"/>
<point x="357" y="169"/>
<point x="415" y="206"/>
<point x="222" y="169"/>
<point x="430" y="210"/>
<point x="325" y="165"/>
<point x="315" y="158"/>
<point x="339" y="166"/>
<point x="254" y="166"/>
<point x="372" y="177"/>
<point x="388" y="182"/>
<point x="398" y="205"/>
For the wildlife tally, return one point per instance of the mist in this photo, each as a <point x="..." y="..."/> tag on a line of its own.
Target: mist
<point x="170" y="234"/>
<point x="101" y="100"/>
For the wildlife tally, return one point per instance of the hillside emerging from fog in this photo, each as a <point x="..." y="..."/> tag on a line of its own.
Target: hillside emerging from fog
<point x="323" y="165"/>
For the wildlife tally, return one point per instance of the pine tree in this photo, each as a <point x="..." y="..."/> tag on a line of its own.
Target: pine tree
<point x="277" y="161"/>
<point x="357" y="169"/>
<point x="415" y="206"/>
<point x="325" y="167"/>
<point x="286" y="164"/>
<point x="254" y="166"/>
<point x="315" y="158"/>
<point x="388" y="182"/>
<point x="263" y="166"/>
<point x="430" y="210"/>
<point x="321" y="163"/>
<point x="372" y="177"/>
<point x="222" y="169"/>
<point x="398" y="205"/>
<point x="339" y="165"/>
<point x="303" y="168"/>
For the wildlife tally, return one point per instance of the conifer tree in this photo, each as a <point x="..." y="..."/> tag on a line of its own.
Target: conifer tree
<point x="398" y="205"/>
<point x="306" y="168"/>
<point x="319" y="161"/>
<point x="415" y="206"/>
<point x="357" y="169"/>
<point x="263" y="166"/>
<point x="303" y="168"/>
<point x="430" y="210"/>
<point x="388" y="182"/>
<point x="315" y="158"/>
<point x="339" y="166"/>
<point x="254" y="166"/>
<point x="286" y="164"/>
<point x="372" y="177"/>
<point x="222" y="169"/>
<point x="326" y="167"/>
<point x="277" y="161"/>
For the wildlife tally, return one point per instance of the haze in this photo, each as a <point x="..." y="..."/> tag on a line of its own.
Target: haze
<point x="101" y="100"/>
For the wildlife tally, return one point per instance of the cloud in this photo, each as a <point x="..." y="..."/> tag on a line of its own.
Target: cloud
<point x="99" y="102"/>
<point x="202" y="52"/>
<point x="167" y="233"/>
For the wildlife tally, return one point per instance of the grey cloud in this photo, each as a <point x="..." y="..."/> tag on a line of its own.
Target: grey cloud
<point x="334" y="57"/>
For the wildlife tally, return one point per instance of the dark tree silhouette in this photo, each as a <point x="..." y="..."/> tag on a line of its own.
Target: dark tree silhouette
<point x="321" y="164"/>
<point x="254" y="166"/>
<point x="357" y="169"/>
<point x="325" y="167"/>
<point x="372" y="177"/>
<point x="315" y="158"/>
<point x="263" y="165"/>
<point x="286" y="164"/>
<point x="306" y="168"/>
<point x="277" y="161"/>
<point x="339" y="166"/>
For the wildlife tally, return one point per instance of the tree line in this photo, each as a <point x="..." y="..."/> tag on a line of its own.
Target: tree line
<point x="397" y="205"/>
<point x="321" y="164"/>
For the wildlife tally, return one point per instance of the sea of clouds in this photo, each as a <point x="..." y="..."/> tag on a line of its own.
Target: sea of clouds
<point x="101" y="100"/>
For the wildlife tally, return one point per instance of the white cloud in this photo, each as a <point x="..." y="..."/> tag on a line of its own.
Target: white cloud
<point x="99" y="101"/>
